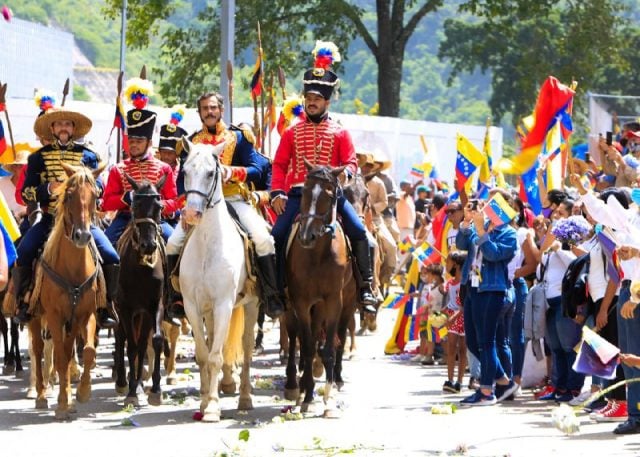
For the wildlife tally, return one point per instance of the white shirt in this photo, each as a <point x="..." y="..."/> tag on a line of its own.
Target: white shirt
<point x="451" y="239"/>
<point x="555" y="270"/>
<point x="518" y="258"/>
<point x="598" y="278"/>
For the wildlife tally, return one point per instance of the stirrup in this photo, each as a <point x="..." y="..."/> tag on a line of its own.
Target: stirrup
<point x="104" y="319"/>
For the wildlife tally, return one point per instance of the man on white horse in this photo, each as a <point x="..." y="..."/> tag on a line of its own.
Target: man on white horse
<point x="240" y="164"/>
<point x="321" y="141"/>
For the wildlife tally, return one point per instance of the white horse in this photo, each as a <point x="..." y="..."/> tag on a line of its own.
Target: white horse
<point x="214" y="282"/>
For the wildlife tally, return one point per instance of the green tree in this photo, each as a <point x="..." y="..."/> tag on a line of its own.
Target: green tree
<point x="521" y="43"/>
<point x="289" y="28"/>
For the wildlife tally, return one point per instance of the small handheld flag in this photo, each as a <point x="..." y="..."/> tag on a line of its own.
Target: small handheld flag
<point x="467" y="160"/>
<point x="498" y="210"/>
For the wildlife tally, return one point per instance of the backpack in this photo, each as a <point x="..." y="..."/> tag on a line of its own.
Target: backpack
<point x="535" y="314"/>
<point x="575" y="292"/>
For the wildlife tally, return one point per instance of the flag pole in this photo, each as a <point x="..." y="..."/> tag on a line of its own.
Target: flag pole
<point x="119" y="139"/>
<point x="283" y="82"/>
<point x="230" y="89"/>
<point x="3" y="103"/>
<point x="261" y="90"/>
<point x="272" y="106"/>
<point x="65" y="92"/>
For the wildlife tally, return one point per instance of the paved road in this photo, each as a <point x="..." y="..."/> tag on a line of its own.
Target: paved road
<point x="387" y="404"/>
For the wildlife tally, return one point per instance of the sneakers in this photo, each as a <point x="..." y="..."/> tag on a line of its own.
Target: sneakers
<point x="549" y="389"/>
<point x="479" y="399"/>
<point x="428" y="360"/>
<point x="449" y="387"/>
<point x="565" y="397"/>
<point x="504" y="392"/>
<point x="596" y="405"/>
<point x="457" y="387"/>
<point x="627" y="428"/>
<point x="580" y="399"/>
<point x="417" y="358"/>
<point x="617" y="412"/>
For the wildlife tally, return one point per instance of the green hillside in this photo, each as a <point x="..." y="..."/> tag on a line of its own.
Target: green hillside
<point x="425" y="94"/>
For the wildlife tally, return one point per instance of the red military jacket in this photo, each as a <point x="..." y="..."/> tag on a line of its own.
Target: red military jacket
<point x="325" y="143"/>
<point x="116" y="195"/>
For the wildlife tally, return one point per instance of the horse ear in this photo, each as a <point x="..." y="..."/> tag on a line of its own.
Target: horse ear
<point x="98" y="171"/>
<point x="307" y="164"/>
<point x="69" y="170"/>
<point x="218" y="149"/>
<point x="131" y="181"/>
<point x="336" y="171"/>
<point x="160" y="183"/>
<point x="186" y="144"/>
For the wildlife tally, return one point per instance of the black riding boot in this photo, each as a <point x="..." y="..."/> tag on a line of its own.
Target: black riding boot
<point x="174" y="310"/>
<point x="269" y="286"/>
<point x="107" y="317"/>
<point x="362" y="255"/>
<point x="21" y="282"/>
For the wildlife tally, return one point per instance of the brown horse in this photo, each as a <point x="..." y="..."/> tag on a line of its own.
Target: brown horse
<point x="68" y="288"/>
<point x="322" y="288"/>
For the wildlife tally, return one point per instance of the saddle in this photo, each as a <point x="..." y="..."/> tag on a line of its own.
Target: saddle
<point x="249" y="251"/>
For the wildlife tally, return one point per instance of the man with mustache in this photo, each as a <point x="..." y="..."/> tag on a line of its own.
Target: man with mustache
<point x="321" y="141"/>
<point x="241" y="165"/>
<point x="59" y="128"/>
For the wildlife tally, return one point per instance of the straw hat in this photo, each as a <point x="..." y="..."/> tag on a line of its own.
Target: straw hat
<point x="42" y="126"/>
<point x="381" y="161"/>
<point x="20" y="157"/>
<point x="364" y="158"/>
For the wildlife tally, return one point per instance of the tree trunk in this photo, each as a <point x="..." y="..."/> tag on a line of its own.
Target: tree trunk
<point x="389" y="82"/>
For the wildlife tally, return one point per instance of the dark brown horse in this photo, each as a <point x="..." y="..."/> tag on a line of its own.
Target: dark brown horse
<point x="322" y="288"/>
<point x="67" y="287"/>
<point x="141" y="292"/>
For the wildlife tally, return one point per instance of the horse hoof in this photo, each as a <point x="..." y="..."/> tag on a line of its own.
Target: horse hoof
<point x="228" y="389"/>
<point x="73" y="409"/>
<point x="332" y="413"/>
<point x="211" y="417"/>
<point x="317" y="368"/>
<point x="131" y="401"/>
<point x="121" y="390"/>
<point x="245" y="404"/>
<point x="291" y="394"/>
<point x="9" y="369"/>
<point x="339" y="385"/>
<point x="62" y="415"/>
<point x="83" y="394"/>
<point x="75" y="377"/>
<point x="172" y="381"/>
<point x="42" y="403"/>
<point x="155" y="398"/>
<point x="32" y="394"/>
<point x="305" y="407"/>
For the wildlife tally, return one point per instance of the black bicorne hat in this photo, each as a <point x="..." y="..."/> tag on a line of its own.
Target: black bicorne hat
<point x="170" y="135"/>
<point x="140" y="123"/>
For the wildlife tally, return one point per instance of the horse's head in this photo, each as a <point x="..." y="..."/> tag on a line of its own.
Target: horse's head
<point x="357" y="194"/>
<point x="146" y="209"/>
<point x="202" y="178"/>
<point x="77" y="203"/>
<point x="318" y="203"/>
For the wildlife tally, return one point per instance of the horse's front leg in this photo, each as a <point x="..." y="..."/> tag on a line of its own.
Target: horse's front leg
<point x="250" y="318"/>
<point x="132" y="356"/>
<point x="83" y="391"/>
<point x="37" y="347"/>
<point x="155" y="396"/>
<point x="61" y="354"/>
<point x="291" y="388"/>
<point x="202" y="351"/>
<point x="15" y="345"/>
<point x="307" y="352"/>
<point x="171" y="333"/>
<point x="329" y="355"/>
<point x="118" y="357"/>
<point x="222" y="318"/>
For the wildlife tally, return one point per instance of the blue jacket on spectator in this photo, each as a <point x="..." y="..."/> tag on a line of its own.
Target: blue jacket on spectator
<point x="498" y="247"/>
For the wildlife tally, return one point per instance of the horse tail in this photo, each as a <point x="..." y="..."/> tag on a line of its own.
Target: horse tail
<point x="232" y="351"/>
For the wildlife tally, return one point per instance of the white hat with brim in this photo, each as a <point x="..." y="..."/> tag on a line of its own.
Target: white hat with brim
<point x="42" y="127"/>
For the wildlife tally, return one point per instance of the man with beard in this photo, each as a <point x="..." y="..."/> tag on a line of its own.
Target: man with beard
<point x="44" y="175"/>
<point x="240" y="164"/>
<point x="321" y="141"/>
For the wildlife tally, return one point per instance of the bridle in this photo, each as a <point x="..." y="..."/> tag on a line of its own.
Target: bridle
<point x="330" y="226"/>
<point x="212" y="190"/>
<point x="68" y="234"/>
<point x="148" y="260"/>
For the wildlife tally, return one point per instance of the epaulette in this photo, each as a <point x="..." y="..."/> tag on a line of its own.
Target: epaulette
<point x="248" y="134"/>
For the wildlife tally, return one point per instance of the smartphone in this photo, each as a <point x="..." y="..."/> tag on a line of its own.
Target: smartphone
<point x="609" y="138"/>
<point x="473" y="204"/>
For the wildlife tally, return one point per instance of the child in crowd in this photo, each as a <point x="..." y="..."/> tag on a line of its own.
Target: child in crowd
<point x="431" y="297"/>
<point x="456" y="345"/>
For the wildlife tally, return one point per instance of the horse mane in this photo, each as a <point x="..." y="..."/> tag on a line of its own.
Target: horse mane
<point x="81" y="177"/>
<point x="323" y="173"/>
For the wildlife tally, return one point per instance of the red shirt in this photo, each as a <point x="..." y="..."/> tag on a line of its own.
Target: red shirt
<point x="148" y="168"/>
<point x="326" y="143"/>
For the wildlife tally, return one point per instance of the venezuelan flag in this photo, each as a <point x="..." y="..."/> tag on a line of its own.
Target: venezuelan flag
<point x="256" y="78"/>
<point x="487" y="165"/>
<point x="405" y="245"/>
<point x="498" y="210"/>
<point x="554" y="104"/>
<point x="3" y="140"/>
<point x="417" y="171"/>
<point x="426" y="254"/>
<point x="398" y="339"/>
<point x="467" y="160"/>
<point x="7" y="220"/>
